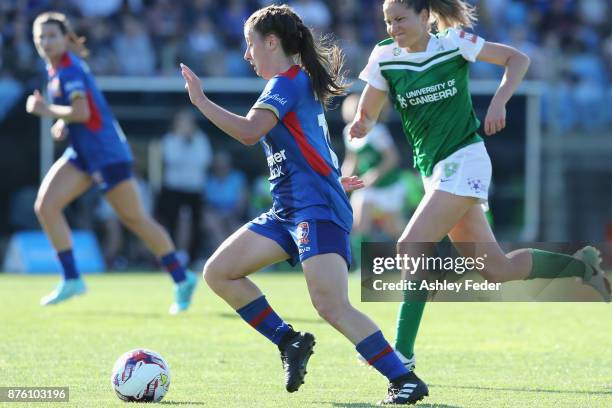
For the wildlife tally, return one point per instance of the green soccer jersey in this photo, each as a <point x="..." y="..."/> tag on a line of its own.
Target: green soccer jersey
<point x="369" y="151"/>
<point x="430" y="91"/>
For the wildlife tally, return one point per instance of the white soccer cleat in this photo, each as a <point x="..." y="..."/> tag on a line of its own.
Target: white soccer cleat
<point x="595" y="277"/>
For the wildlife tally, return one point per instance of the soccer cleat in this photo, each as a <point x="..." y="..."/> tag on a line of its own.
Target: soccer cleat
<point x="295" y="354"/>
<point x="409" y="363"/>
<point x="406" y="390"/>
<point x="183" y="292"/>
<point x="594" y="276"/>
<point x="64" y="291"/>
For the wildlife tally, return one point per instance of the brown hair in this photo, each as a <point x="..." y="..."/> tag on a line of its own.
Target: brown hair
<point x="76" y="44"/>
<point x="446" y="13"/>
<point x="321" y="59"/>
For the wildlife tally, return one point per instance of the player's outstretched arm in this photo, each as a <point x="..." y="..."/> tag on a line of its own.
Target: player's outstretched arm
<point x="247" y="130"/>
<point x="77" y="112"/>
<point x="516" y="64"/>
<point x="370" y="104"/>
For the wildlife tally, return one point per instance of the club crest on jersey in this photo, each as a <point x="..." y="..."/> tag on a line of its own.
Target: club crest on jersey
<point x="303" y="231"/>
<point x="397" y="51"/>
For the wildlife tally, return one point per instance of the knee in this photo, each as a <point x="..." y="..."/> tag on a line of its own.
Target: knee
<point x="331" y="310"/>
<point x="44" y="208"/>
<point x="214" y="273"/>
<point x="132" y="219"/>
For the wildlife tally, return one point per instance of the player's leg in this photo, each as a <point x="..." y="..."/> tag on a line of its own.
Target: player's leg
<point x="122" y="194"/>
<point x="255" y="246"/>
<point x="526" y="263"/>
<point x="326" y="273"/>
<point x="63" y="183"/>
<point x="435" y="216"/>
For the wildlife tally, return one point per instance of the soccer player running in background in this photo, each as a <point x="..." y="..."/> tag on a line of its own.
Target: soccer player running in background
<point x="311" y="216"/>
<point x="426" y="77"/>
<point x="375" y="160"/>
<point x="98" y="153"/>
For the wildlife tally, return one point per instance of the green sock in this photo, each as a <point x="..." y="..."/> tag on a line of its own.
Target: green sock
<point x="408" y="322"/>
<point x="550" y="265"/>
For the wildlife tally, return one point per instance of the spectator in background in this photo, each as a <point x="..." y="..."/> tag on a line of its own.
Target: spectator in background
<point x="226" y="198"/>
<point x="134" y="49"/>
<point x="164" y="18"/>
<point x="314" y="13"/>
<point x="201" y="45"/>
<point x="11" y="90"/>
<point x="102" y="9"/>
<point x="104" y="61"/>
<point x="186" y="156"/>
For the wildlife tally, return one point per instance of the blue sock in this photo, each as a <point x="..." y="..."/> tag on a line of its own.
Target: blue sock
<point x="66" y="258"/>
<point x="378" y="353"/>
<point x="261" y="317"/>
<point x="174" y="267"/>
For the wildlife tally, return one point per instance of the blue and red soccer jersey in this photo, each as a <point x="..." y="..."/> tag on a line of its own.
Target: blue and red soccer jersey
<point x="304" y="175"/>
<point x="99" y="142"/>
<point x="311" y="213"/>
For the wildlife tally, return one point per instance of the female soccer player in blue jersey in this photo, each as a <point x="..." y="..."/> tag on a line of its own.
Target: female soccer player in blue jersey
<point x="311" y="217"/>
<point x="98" y="153"/>
<point x="426" y="76"/>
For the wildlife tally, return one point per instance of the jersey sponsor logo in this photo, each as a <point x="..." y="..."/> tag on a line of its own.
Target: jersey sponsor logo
<point x="268" y="96"/>
<point x="275" y="161"/>
<point x="428" y="94"/>
<point x="303" y="231"/>
<point x="72" y="86"/>
<point x="468" y="36"/>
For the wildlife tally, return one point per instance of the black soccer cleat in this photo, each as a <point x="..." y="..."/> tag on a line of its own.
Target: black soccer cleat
<point x="295" y="353"/>
<point x="406" y="390"/>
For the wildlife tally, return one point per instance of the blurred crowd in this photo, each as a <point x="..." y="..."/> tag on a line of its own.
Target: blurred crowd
<point x="569" y="41"/>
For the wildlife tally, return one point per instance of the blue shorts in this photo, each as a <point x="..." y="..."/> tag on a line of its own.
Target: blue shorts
<point x="304" y="239"/>
<point x="107" y="177"/>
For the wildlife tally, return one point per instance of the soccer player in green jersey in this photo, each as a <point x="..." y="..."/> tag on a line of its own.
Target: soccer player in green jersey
<point x="375" y="160"/>
<point x="426" y="76"/>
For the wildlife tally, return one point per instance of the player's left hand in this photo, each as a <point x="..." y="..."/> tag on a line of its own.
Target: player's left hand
<point x="351" y="183"/>
<point x="193" y="85"/>
<point x="495" y="120"/>
<point x="36" y="104"/>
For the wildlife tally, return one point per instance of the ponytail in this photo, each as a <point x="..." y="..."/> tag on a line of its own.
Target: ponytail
<point x="76" y="43"/>
<point x="452" y="14"/>
<point x="445" y="13"/>
<point x="321" y="59"/>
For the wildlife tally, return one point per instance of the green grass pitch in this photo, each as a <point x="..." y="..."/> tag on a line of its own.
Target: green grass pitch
<point x="471" y="355"/>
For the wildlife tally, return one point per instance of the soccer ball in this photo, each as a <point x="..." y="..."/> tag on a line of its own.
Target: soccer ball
<point x="141" y="375"/>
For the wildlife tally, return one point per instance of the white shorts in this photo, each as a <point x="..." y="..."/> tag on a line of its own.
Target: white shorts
<point x="386" y="199"/>
<point x="467" y="172"/>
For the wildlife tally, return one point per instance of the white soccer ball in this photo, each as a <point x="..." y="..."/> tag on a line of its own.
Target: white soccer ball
<point x="141" y="375"/>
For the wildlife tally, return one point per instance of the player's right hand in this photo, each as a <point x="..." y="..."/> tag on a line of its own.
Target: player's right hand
<point x="193" y="84"/>
<point x="360" y="127"/>
<point x="59" y="130"/>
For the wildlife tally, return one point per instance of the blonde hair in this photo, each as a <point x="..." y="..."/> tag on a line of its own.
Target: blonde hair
<point x="445" y="13"/>
<point x="76" y="43"/>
